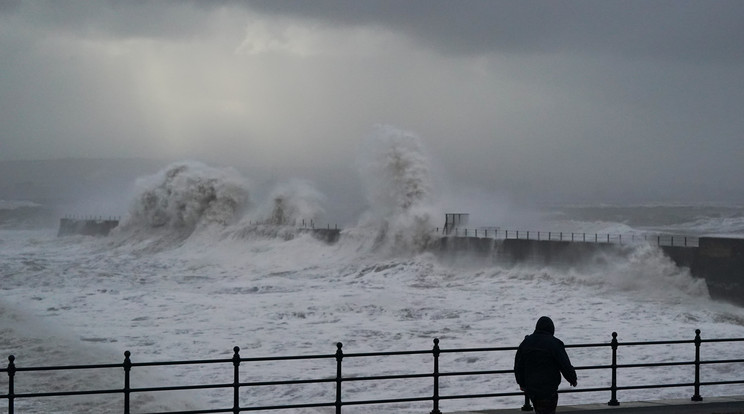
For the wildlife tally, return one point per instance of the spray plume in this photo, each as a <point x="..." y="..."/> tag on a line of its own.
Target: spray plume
<point x="397" y="178"/>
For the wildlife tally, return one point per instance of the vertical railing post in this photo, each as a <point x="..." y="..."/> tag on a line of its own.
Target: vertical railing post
<point x="236" y="380"/>
<point x="127" y="389"/>
<point x="613" y="400"/>
<point x="435" y="398"/>
<point x="11" y="382"/>
<point x="698" y="341"/>
<point x="339" y="357"/>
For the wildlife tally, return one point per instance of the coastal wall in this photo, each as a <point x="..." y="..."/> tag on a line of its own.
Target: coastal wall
<point x="720" y="261"/>
<point x="86" y="227"/>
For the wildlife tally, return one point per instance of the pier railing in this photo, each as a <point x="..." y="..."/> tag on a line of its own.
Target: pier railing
<point x="583" y="237"/>
<point x="433" y="372"/>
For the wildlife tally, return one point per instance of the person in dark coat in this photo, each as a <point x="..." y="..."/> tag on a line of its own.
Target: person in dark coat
<point x="538" y="365"/>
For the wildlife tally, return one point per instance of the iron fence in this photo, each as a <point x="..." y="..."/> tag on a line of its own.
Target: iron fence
<point x="694" y="383"/>
<point x="584" y="237"/>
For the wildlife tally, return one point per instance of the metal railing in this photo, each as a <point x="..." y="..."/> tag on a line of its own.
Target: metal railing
<point x="238" y="384"/>
<point x="582" y="237"/>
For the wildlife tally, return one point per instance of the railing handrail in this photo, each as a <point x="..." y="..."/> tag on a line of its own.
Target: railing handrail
<point x="12" y="370"/>
<point x="498" y="233"/>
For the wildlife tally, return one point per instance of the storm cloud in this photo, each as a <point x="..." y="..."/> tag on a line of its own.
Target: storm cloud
<point x="542" y="101"/>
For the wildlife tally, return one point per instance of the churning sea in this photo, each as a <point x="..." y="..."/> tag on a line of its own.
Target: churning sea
<point x="189" y="275"/>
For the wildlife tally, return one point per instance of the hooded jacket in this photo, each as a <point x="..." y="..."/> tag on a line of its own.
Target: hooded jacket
<point x="540" y="361"/>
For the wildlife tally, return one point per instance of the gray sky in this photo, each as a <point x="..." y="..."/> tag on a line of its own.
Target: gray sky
<point x="546" y="101"/>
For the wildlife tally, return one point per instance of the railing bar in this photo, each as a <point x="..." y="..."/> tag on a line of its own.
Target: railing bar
<point x="465" y="350"/>
<point x="602" y="389"/>
<point x="656" y="364"/>
<point x="678" y="342"/>
<point x="286" y="357"/>
<point x="387" y="401"/>
<point x="464" y="373"/>
<point x="731" y="382"/>
<point x="181" y="387"/>
<point x="389" y="353"/>
<point x="387" y="377"/>
<point x="289" y="382"/>
<point x="642" y="387"/>
<point x="67" y="367"/>
<point x="722" y="361"/>
<point x="217" y="410"/>
<point x="214" y="410"/>
<point x="193" y="362"/>
<point x="590" y="367"/>
<point x="723" y="340"/>
<point x="590" y="345"/>
<point x="66" y="393"/>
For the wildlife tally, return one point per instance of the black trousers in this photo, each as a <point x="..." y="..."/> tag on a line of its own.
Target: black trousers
<point x="544" y="405"/>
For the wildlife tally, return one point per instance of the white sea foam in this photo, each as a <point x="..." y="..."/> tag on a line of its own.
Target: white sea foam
<point x="270" y="296"/>
<point x="186" y="277"/>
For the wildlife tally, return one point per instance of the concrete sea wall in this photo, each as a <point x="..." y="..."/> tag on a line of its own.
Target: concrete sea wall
<point x="719" y="261"/>
<point x="86" y="227"/>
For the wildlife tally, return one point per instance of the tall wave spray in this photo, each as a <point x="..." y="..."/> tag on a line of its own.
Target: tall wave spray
<point x="289" y="205"/>
<point x="187" y="196"/>
<point x="292" y="202"/>
<point x="397" y="179"/>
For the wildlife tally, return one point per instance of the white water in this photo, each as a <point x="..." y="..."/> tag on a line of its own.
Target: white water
<point x="190" y="274"/>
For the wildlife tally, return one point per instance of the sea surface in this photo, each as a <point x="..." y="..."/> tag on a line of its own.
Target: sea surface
<point x="192" y="272"/>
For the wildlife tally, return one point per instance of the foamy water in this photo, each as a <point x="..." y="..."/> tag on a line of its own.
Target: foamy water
<point x="190" y="274"/>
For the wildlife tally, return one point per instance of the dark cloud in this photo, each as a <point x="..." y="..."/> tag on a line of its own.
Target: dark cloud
<point x="557" y="101"/>
<point x="8" y="6"/>
<point x="679" y="30"/>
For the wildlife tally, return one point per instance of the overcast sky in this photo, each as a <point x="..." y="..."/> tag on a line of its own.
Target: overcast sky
<point x="549" y="101"/>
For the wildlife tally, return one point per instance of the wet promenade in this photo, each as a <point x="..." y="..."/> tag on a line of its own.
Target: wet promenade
<point x="711" y="405"/>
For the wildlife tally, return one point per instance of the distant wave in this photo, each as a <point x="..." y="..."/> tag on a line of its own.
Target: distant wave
<point x="23" y="214"/>
<point x="15" y="204"/>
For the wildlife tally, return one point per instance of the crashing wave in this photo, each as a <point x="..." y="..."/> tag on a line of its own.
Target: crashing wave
<point x="188" y="195"/>
<point x="397" y="178"/>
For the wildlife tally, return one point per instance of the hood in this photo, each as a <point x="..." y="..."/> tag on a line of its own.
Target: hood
<point x="545" y="324"/>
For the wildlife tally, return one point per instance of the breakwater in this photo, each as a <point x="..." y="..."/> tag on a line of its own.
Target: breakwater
<point x="719" y="261"/>
<point x="86" y="226"/>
